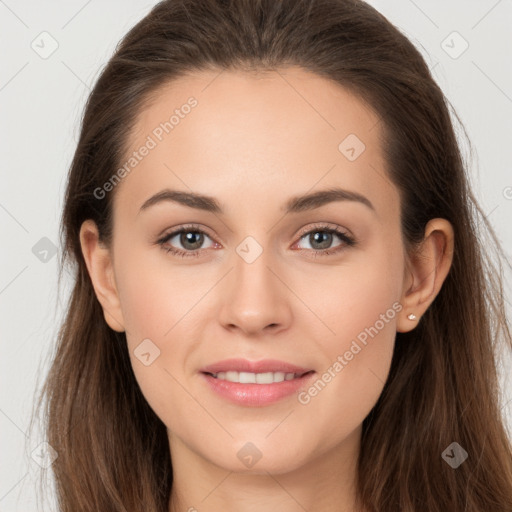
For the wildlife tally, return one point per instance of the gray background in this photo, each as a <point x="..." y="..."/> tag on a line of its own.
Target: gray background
<point x="41" y="100"/>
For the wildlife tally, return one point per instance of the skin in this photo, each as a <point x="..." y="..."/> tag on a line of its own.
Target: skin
<point x="253" y="140"/>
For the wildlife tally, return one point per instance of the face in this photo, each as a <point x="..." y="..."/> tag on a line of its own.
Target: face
<point x="264" y="275"/>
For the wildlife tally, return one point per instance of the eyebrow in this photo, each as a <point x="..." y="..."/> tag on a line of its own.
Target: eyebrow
<point x="296" y="204"/>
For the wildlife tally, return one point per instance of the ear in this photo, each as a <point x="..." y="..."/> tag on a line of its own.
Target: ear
<point x="99" y="265"/>
<point x="426" y="270"/>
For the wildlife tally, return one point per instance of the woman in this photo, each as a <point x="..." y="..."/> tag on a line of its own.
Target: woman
<point x="254" y="369"/>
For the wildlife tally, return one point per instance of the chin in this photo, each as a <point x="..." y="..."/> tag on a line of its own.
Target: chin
<point x="253" y="458"/>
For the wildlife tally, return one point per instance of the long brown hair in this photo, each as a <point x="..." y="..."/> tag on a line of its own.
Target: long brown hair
<point x="113" y="451"/>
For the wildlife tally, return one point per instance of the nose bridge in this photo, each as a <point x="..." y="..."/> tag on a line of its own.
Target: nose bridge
<point x="255" y="298"/>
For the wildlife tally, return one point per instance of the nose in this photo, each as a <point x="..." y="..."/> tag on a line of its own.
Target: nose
<point x="255" y="298"/>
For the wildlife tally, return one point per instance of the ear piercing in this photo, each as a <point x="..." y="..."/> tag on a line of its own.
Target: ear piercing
<point x="411" y="317"/>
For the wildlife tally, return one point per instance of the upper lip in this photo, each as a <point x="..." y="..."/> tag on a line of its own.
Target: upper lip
<point x="244" y="365"/>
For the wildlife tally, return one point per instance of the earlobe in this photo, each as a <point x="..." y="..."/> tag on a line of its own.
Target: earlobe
<point x="426" y="271"/>
<point x="99" y="265"/>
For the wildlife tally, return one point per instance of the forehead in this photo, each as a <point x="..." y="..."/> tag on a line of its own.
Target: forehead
<point x="261" y="134"/>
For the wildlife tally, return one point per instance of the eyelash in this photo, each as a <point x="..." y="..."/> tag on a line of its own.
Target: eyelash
<point x="348" y="240"/>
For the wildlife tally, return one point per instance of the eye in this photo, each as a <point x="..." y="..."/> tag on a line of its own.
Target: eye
<point x="321" y="238"/>
<point x="191" y="239"/>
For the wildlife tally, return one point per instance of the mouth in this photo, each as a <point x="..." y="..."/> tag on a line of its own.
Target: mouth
<point x="255" y="383"/>
<point x="251" y="389"/>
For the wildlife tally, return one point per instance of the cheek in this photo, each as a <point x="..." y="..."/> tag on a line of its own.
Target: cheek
<point x="349" y="385"/>
<point x="360" y="309"/>
<point x="160" y="309"/>
<point x="155" y="297"/>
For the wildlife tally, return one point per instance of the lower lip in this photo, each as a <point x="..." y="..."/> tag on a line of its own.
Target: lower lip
<point x="256" y="394"/>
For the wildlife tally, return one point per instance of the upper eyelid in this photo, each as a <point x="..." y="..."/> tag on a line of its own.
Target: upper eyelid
<point x="191" y="228"/>
<point x="324" y="226"/>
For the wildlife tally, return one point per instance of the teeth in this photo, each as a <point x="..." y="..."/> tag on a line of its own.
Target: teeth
<point x="255" y="378"/>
